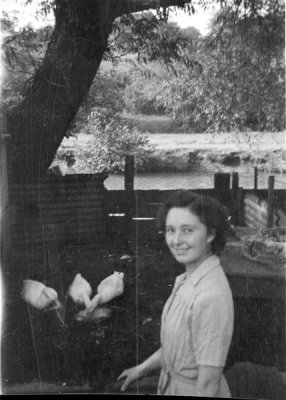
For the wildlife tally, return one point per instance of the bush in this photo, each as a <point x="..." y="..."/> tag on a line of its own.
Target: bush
<point x="110" y="141"/>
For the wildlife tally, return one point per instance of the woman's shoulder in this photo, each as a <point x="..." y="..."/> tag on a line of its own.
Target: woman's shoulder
<point x="215" y="283"/>
<point x="214" y="300"/>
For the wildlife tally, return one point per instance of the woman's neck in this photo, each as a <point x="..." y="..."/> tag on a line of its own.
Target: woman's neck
<point x="190" y="268"/>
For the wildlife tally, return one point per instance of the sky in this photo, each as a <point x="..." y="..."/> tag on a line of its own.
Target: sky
<point x="26" y="14"/>
<point x="200" y="20"/>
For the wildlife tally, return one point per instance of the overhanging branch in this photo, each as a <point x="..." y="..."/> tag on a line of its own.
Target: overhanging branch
<point x="131" y="6"/>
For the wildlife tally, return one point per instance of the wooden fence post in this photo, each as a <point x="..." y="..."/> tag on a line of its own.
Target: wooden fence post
<point x="240" y="211"/>
<point x="221" y="186"/>
<point x="255" y="178"/>
<point x="129" y="172"/>
<point x="235" y="198"/>
<point x="221" y="181"/>
<point x="270" y="201"/>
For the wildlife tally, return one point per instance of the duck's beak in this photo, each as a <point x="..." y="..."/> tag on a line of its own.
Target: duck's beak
<point x="58" y="305"/>
<point x="55" y="305"/>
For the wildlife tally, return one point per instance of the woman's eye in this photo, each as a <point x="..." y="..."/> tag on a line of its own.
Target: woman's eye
<point x="187" y="230"/>
<point x="169" y="230"/>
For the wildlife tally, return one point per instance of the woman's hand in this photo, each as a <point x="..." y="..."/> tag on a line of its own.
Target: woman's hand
<point x="131" y="374"/>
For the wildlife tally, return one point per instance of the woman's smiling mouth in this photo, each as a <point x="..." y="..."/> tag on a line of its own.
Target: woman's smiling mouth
<point x="180" y="251"/>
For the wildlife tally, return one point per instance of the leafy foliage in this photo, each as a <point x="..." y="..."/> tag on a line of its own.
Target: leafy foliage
<point x="110" y="141"/>
<point x="143" y="90"/>
<point x="23" y="52"/>
<point x="237" y="81"/>
<point x="141" y="49"/>
<point x="105" y="93"/>
<point x="148" y="36"/>
<point x="231" y="81"/>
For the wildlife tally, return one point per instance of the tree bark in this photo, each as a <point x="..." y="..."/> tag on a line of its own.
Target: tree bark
<point x="53" y="96"/>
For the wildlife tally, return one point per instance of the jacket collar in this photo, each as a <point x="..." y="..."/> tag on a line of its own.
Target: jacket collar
<point x="205" y="267"/>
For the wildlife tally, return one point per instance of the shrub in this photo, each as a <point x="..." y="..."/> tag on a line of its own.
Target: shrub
<point x="110" y="141"/>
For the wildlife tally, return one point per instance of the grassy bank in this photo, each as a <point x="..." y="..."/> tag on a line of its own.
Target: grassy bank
<point x="187" y="152"/>
<point x="182" y="160"/>
<point x="177" y="152"/>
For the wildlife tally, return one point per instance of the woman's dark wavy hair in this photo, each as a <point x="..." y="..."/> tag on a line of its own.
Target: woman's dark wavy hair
<point x="210" y="212"/>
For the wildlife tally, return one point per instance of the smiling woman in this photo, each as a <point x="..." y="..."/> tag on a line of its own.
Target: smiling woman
<point x="187" y="238"/>
<point x="197" y="320"/>
<point x="199" y="209"/>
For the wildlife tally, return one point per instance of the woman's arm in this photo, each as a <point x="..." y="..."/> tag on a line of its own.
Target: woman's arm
<point x="150" y="364"/>
<point x="208" y="382"/>
<point x="212" y="327"/>
<point x="153" y="362"/>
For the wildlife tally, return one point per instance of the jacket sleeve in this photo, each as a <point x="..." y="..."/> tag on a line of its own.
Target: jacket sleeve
<point x="212" y="328"/>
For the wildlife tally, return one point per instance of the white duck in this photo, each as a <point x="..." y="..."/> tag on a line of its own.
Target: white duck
<point x="80" y="290"/>
<point x="39" y="295"/>
<point x="108" y="289"/>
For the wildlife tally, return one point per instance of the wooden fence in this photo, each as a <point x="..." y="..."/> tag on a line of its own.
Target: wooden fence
<point x="70" y="207"/>
<point x="226" y="189"/>
<point x="132" y="212"/>
<point x="136" y="212"/>
<point x="77" y="207"/>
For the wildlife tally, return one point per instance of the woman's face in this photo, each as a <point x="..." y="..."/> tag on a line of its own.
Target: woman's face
<point x="186" y="237"/>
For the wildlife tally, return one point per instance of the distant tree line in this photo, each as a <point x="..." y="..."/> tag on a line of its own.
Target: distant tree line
<point x="228" y="80"/>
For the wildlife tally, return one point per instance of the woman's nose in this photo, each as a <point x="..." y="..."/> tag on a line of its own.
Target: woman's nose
<point x="177" y="237"/>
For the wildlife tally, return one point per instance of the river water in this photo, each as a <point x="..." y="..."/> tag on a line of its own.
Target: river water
<point x="193" y="180"/>
<point x="199" y="178"/>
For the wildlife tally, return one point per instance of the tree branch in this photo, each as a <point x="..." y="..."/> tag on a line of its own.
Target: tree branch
<point x="130" y="6"/>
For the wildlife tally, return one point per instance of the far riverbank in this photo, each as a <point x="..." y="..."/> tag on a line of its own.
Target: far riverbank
<point x="207" y="153"/>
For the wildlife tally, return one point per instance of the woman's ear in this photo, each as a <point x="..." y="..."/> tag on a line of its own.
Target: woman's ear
<point x="211" y="235"/>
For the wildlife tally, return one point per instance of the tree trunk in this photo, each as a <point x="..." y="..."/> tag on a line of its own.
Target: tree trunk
<point x="53" y="96"/>
<point x="55" y="93"/>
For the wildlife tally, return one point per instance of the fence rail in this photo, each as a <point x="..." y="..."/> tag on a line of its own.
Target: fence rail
<point x="78" y="206"/>
<point x="59" y="209"/>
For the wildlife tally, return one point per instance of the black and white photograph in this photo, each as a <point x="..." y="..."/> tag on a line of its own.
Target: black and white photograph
<point x="143" y="198"/>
